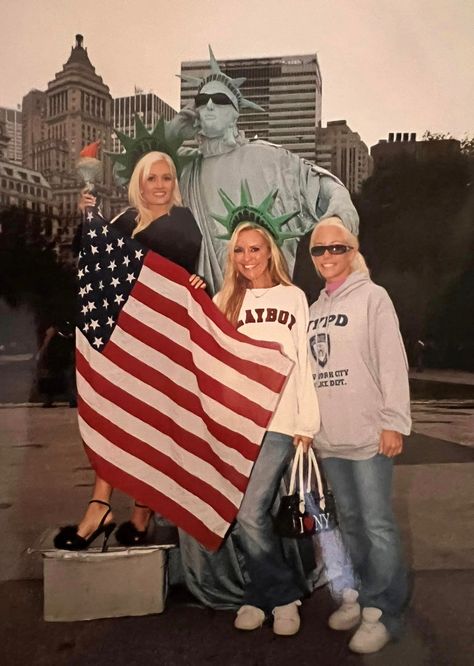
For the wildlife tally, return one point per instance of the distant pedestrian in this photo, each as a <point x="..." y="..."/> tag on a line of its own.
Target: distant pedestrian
<point x="420" y="355"/>
<point x="56" y="364"/>
<point x="361" y="378"/>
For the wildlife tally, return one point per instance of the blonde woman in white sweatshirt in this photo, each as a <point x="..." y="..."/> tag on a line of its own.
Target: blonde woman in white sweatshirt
<point x="258" y="298"/>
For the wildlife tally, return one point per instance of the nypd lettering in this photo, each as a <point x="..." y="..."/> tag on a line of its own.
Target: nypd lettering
<point x="323" y="322"/>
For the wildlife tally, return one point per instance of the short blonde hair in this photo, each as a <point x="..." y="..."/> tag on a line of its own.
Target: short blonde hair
<point x="358" y="262"/>
<point x="141" y="171"/>
<point x="230" y="298"/>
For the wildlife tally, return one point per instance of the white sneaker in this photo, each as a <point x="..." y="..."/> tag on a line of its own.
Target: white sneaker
<point x="249" y="618"/>
<point x="347" y="615"/>
<point x="286" y="620"/>
<point x="372" y="634"/>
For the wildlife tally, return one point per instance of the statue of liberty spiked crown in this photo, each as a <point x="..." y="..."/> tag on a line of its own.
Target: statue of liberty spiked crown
<point x="232" y="85"/>
<point x="247" y="211"/>
<point x="144" y="142"/>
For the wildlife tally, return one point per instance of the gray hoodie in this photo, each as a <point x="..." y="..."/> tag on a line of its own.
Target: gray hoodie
<point x="359" y="368"/>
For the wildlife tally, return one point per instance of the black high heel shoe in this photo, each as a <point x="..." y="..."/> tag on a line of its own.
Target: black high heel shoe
<point x="68" y="539"/>
<point x="128" y="535"/>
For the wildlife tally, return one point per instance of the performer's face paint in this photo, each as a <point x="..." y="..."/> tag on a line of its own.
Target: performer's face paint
<point x="252" y="258"/>
<point x="332" y="267"/>
<point x="157" y="188"/>
<point x="215" y="119"/>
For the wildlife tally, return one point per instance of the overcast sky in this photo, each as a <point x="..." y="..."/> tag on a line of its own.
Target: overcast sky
<point x="387" y="65"/>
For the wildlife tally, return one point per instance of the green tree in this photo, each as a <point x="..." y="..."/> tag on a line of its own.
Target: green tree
<point x="30" y="273"/>
<point x="417" y="234"/>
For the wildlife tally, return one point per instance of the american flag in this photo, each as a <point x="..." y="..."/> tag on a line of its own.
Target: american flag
<point x="173" y="402"/>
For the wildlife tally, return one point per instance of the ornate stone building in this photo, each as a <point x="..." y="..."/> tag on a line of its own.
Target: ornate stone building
<point x="75" y="110"/>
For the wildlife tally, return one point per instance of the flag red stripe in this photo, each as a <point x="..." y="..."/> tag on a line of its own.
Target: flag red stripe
<point x="161" y="422"/>
<point x="208" y="385"/>
<point x="179" y="314"/>
<point x="181" y="396"/>
<point x="155" y="500"/>
<point x="158" y="461"/>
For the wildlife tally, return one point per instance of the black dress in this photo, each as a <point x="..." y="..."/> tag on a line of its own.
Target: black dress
<point x="175" y="236"/>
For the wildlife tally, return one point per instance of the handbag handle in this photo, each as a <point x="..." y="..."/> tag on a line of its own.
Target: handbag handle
<point x="297" y="467"/>
<point x="313" y="464"/>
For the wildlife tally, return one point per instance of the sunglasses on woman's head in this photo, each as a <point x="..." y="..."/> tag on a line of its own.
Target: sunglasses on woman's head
<point x="335" y="248"/>
<point x="218" y="98"/>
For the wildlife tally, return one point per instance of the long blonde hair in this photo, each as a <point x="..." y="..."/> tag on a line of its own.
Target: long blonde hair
<point x="358" y="262"/>
<point x="230" y="298"/>
<point x="141" y="172"/>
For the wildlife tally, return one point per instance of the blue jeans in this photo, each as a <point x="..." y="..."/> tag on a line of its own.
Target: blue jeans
<point x="362" y="489"/>
<point x="269" y="579"/>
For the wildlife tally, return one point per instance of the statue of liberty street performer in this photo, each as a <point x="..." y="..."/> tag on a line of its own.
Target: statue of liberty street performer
<point x="225" y="159"/>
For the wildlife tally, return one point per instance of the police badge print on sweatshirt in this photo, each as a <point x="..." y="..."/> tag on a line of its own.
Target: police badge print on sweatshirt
<point x="320" y="346"/>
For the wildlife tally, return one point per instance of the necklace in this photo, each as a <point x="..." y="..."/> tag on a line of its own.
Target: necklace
<point x="252" y="291"/>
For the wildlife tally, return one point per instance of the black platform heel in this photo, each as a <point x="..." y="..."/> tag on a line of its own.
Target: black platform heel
<point x="128" y="535"/>
<point x="68" y="539"/>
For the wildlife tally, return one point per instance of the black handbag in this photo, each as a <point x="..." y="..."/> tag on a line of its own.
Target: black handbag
<point x="305" y="512"/>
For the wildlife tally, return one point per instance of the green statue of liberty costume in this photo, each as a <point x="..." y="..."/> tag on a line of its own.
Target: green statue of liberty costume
<point x="225" y="158"/>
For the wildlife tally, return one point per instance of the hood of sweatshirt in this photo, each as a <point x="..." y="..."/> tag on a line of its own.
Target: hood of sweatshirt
<point x="353" y="281"/>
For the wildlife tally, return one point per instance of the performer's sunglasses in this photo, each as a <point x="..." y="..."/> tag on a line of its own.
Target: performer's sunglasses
<point x="218" y="98"/>
<point x="336" y="248"/>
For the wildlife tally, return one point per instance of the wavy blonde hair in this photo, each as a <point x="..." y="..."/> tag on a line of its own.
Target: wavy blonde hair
<point x="141" y="171"/>
<point x="230" y="298"/>
<point x="358" y="262"/>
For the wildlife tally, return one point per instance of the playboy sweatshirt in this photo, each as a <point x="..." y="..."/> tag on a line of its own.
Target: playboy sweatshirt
<point x="360" y="368"/>
<point x="280" y="314"/>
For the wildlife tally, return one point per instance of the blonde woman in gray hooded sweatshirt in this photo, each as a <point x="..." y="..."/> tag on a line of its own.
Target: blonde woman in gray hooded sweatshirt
<point x="361" y="377"/>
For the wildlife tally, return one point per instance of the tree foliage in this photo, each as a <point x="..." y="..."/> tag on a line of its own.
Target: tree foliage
<point x="417" y="234"/>
<point x="467" y="141"/>
<point x="30" y="273"/>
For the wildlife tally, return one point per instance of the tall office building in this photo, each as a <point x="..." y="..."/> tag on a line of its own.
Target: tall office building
<point x="342" y="151"/>
<point x="12" y="123"/>
<point x="4" y="141"/>
<point x="148" y="106"/>
<point x="289" y="90"/>
<point x="34" y="125"/>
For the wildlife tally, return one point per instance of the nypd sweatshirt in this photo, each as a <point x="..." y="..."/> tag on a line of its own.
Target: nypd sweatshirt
<point x="360" y="369"/>
<point x="280" y="314"/>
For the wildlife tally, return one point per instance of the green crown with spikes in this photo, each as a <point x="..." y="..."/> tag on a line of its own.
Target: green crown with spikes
<point x="246" y="211"/>
<point x="146" y="142"/>
<point x="218" y="75"/>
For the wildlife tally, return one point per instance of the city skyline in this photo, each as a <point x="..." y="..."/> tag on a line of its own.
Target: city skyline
<point x="386" y="66"/>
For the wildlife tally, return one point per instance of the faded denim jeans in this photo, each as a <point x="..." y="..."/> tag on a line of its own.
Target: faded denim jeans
<point x="269" y="579"/>
<point x="363" y="489"/>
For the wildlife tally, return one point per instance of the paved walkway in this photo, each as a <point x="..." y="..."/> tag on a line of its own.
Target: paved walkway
<point x="46" y="481"/>
<point x="446" y="376"/>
